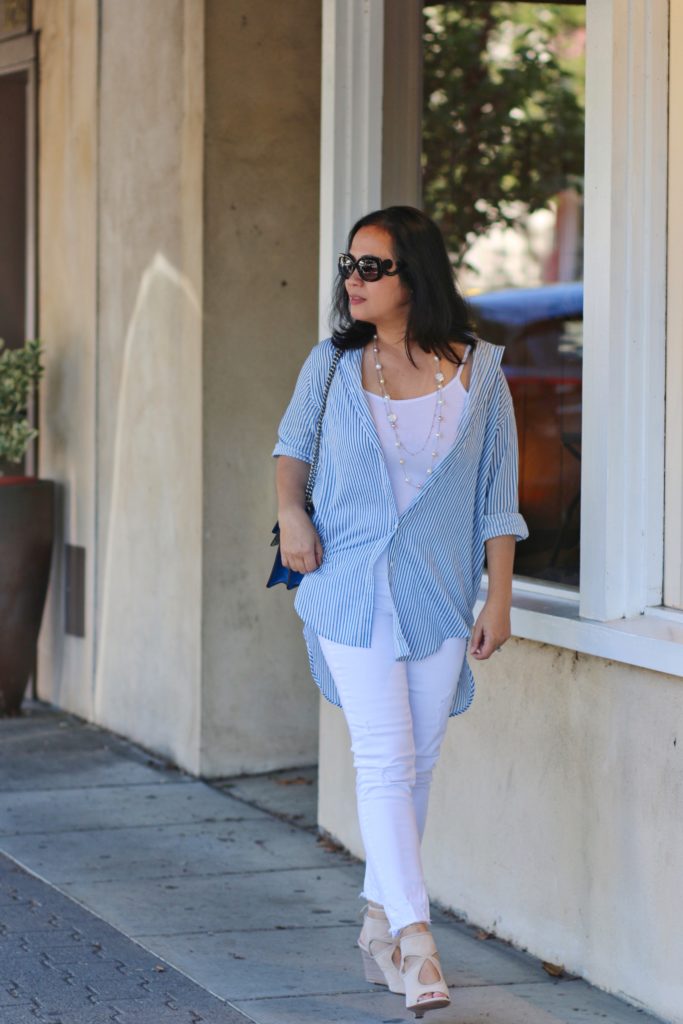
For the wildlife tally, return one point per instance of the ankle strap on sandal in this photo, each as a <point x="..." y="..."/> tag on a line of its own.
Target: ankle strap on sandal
<point x="420" y="944"/>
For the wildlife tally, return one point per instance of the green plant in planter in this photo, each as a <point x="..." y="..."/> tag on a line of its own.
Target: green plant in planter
<point x="27" y="529"/>
<point x="20" y="370"/>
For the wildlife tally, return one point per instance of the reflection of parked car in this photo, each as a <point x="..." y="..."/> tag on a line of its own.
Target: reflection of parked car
<point x="542" y="331"/>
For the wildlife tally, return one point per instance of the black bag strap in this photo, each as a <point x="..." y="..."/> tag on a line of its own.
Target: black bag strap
<point x="308" y="504"/>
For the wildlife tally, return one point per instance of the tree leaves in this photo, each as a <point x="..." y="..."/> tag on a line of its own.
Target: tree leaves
<point x="503" y="113"/>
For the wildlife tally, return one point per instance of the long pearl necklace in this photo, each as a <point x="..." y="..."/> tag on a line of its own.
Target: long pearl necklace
<point x="437" y="416"/>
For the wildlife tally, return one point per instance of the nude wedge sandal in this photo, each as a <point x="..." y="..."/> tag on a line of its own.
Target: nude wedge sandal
<point x="421" y="945"/>
<point x="377" y="947"/>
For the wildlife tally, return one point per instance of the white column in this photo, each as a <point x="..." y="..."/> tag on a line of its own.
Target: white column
<point x="624" y="315"/>
<point x="351" y="128"/>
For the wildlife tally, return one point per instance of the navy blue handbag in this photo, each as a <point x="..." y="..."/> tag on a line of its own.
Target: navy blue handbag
<point x="279" y="573"/>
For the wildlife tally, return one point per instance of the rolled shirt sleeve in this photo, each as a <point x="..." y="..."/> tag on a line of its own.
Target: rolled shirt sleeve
<point x="501" y="509"/>
<point x="296" y="432"/>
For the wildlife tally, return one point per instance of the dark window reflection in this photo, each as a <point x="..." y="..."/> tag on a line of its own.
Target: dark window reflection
<point x="502" y="175"/>
<point x="543" y="366"/>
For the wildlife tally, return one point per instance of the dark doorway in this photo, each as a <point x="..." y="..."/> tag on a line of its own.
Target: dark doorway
<point x="13" y="208"/>
<point x="13" y="215"/>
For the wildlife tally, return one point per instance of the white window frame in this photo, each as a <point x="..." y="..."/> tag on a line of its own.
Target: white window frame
<point x="617" y="612"/>
<point x="673" y="509"/>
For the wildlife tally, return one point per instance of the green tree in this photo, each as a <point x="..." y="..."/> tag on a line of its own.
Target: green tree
<point x="503" y="117"/>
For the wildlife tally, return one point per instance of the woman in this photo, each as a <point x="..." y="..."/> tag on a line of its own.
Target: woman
<point x="416" y="482"/>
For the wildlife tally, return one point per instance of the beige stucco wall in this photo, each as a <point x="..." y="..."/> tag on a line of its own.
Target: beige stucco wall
<point x="67" y="322"/>
<point x="179" y="239"/>
<point x="148" y="654"/>
<point x="259" y="705"/>
<point x="555" y="815"/>
<point x="120" y="228"/>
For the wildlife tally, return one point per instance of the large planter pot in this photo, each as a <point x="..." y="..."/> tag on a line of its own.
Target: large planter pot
<point x="26" y="538"/>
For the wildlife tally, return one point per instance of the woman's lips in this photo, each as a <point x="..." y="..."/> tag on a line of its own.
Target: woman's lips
<point x="355" y="299"/>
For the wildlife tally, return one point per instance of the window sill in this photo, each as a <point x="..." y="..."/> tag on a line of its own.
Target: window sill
<point x="549" y="614"/>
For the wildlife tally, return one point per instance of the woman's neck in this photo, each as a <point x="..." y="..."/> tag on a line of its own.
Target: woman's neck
<point x="392" y="337"/>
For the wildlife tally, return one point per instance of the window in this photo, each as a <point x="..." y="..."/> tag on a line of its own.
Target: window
<point x="502" y="174"/>
<point x="370" y="156"/>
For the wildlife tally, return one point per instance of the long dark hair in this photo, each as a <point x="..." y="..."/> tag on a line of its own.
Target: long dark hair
<point x="438" y="312"/>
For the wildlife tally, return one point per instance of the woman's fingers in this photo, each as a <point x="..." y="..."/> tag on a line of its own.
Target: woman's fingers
<point x="304" y="556"/>
<point x="299" y="563"/>
<point x="477" y="638"/>
<point x="486" y="647"/>
<point x="490" y="632"/>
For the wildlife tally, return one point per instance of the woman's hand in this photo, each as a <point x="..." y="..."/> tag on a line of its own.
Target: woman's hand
<point x="491" y="629"/>
<point x="300" y="546"/>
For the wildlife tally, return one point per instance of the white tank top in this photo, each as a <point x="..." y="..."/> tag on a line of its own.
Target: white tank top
<point x="414" y="419"/>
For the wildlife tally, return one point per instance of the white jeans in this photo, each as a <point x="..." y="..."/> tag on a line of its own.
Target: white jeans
<point x="397" y="713"/>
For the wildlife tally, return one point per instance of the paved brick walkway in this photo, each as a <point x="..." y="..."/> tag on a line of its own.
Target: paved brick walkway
<point x="62" y="964"/>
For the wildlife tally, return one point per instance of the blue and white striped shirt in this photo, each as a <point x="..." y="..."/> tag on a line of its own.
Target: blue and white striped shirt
<point x="435" y="546"/>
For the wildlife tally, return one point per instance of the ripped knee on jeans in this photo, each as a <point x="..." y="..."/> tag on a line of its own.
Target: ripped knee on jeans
<point x="400" y="772"/>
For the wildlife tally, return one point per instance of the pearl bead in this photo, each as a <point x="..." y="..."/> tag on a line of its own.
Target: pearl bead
<point x="392" y="418"/>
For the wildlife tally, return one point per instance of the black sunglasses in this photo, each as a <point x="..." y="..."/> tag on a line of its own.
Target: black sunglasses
<point x="370" y="268"/>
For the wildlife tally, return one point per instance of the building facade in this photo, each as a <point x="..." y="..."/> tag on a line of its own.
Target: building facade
<point x="191" y="168"/>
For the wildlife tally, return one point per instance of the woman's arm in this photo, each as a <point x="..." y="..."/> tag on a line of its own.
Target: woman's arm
<point x="502" y="527"/>
<point x="300" y="546"/>
<point x="492" y="627"/>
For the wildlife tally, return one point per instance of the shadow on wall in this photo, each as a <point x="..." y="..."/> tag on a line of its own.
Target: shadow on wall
<point x="148" y="653"/>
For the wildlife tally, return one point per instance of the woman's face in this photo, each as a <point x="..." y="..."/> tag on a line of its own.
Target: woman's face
<point x="379" y="302"/>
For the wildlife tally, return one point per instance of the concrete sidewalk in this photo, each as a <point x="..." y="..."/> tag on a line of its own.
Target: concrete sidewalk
<point x="136" y="893"/>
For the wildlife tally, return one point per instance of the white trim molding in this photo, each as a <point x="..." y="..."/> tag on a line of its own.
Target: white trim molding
<point x="402" y="107"/>
<point x="351" y="128"/>
<point x="673" y="511"/>
<point x="622" y="505"/>
<point x="550" y="615"/>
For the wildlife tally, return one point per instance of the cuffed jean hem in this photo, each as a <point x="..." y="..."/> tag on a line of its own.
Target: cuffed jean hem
<point x="401" y="915"/>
